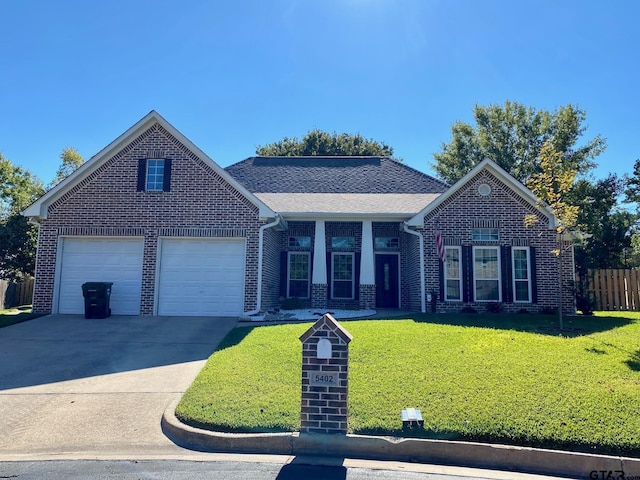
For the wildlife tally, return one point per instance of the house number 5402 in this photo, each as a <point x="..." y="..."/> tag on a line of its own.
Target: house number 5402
<point x="322" y="378"/>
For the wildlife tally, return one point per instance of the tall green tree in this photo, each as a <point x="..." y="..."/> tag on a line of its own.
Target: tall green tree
<point x="513" y="135"/>
<point x="18" y="188"/>
<point x="71" y="161"/>
<point x="609" y="226"/>
<point x="632" y="187"/>
<point x="320" y="143"/>
<point x="632" y="196"/>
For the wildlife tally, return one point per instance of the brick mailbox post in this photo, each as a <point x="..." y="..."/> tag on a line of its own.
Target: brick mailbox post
<point x="325" y="377"/>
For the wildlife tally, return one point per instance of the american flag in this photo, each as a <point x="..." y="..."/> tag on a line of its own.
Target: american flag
<point x="439" y="243"/>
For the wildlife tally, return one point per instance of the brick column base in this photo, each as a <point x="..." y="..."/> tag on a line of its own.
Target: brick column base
<point x="367" y="297"/>
<point x="318" y="295"/>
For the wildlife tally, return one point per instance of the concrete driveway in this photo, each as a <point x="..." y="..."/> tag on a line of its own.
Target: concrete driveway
<point x="72" y="387"/>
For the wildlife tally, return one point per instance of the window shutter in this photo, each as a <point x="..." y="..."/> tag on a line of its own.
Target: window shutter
<point x="310" y="274"/>
<point x="166" y="180"/>
<point x="467" y="273"/>
<point x="441" y="279"/>
<point x="284" y="260"/>
<point x="142" y="175"/>
<point x="329" y="281"/>
<point x="356" y="275"/>
<point x="534" y="282"/>
<point x="507" y="287"/>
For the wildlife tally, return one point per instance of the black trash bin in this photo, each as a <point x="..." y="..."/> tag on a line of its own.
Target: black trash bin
<point x="96" y="299"/>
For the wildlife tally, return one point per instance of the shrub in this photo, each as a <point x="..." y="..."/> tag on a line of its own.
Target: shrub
<point x="494" y="307"/>
<point x="585" y="301"/>
<point x="293" y="303"/>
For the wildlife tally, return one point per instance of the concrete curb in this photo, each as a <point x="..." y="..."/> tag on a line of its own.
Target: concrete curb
<point x="462" y="454"/>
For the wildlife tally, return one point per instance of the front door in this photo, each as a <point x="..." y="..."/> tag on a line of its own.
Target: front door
<point x="387" y="281"/>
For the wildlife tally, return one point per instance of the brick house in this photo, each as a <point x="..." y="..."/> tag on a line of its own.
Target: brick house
<point x="179" y="235"/>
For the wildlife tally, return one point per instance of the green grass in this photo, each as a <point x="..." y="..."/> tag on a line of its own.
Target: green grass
<point x="15" y="315"/>
<point x="507" y="378"/>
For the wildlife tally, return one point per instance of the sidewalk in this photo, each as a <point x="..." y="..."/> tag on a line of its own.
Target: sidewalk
<point x="460" y="454"/>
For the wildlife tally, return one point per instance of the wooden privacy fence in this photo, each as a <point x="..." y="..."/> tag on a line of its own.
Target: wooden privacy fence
<point x="614" y="289"/>
<point x="14" y="294"/>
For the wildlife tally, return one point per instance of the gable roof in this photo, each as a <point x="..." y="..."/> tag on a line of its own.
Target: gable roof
<point x="38" y="209"/>
<point x="367" y="175"/>
<point x="517" y="187"/>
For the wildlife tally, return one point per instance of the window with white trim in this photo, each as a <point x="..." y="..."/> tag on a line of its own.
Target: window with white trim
<point x="386" y="243"/>
<point x="343" y="242"/>
<point x="303" y="242"/>
<point x="155" y="175"/>
<point x="453" y="274"/>
<point x="485" y="234"/>
<point x="299" y="274"/>
<point x="486" y="274"/>
<point x="521" y="264"/>
<point x="342" y="275"/>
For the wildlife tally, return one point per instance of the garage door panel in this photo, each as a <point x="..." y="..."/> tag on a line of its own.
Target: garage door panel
<point x="101" y="260"/>
<point x="201" y="277"/>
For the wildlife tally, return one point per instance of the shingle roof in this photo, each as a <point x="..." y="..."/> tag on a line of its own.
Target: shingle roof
<point x="383" y="204"/>
<point x="332" y="175"/>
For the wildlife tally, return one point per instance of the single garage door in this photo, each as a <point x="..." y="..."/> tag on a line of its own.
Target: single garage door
<point x="201" y="277"/>
<point x="117" y="260"/>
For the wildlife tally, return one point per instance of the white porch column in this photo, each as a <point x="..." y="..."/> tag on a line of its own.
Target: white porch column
<point x="367" y="261"/>
<point x="319" y="255"/>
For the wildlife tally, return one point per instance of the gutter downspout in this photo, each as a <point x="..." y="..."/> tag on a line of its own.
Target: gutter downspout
<point x="260" y="255"/>
<point x="406" y="228"/>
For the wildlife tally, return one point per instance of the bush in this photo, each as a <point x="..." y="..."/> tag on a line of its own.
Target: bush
<point x="468" y="310"/>
<point x="585" y="301"/>
<point x="293" y="303"/>
<point x="494" y="307"/>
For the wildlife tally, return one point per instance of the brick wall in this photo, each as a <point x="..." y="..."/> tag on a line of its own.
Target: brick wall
<point x="457" y="217"/>
<point x="271" y="268"/>
<point x="410" y="290"/>
<point x="200" y="202"/>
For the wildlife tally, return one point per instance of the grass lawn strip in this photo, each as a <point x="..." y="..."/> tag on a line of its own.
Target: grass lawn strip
<point x="11" y="316"/>
<point x="505" y="381"/>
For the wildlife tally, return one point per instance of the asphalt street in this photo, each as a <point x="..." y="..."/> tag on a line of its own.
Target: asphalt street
<point x="226" y="470"/>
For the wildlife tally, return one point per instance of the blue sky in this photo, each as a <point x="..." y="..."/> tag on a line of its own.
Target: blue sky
<point x="235" y="74"/>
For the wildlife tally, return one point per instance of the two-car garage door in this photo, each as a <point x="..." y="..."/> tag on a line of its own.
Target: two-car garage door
<point x="194" y="276"/>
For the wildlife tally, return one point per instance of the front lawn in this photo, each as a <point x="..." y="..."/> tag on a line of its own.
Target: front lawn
<point x="507" y="378"/>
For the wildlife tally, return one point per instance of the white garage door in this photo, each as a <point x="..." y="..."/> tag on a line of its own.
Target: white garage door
<point x="201" y="277"/>
<point x="117" y="260"/>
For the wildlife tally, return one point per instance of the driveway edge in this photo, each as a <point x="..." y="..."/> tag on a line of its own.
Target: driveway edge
<point x="454" y="453"/>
